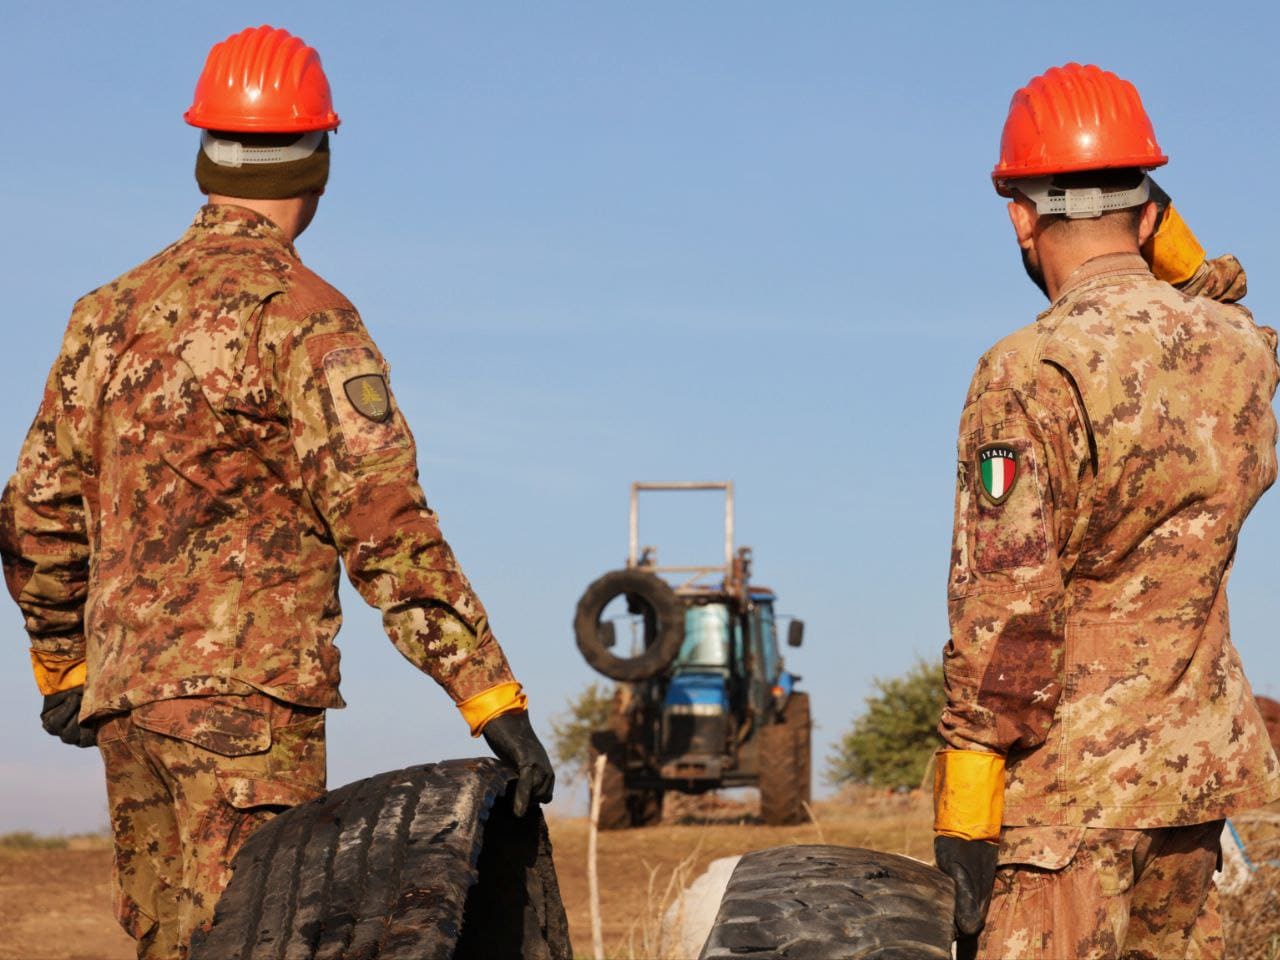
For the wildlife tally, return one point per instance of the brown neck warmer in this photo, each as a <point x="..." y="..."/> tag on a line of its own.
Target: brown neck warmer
<point x="264" y="181"/>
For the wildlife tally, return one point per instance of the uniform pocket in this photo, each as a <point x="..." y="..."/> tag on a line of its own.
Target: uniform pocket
<point x="229" y="726"/>
<point x="248" y="800"/>
<point x="1046" y="848"/>
<point x="1009" y="529"/>
<point x="136" y="922"/>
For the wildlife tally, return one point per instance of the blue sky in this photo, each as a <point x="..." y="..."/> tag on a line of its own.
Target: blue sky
<point x="607" y="242"/>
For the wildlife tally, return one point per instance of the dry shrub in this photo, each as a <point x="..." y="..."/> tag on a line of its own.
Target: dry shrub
<point x="647" y="934"/>
<point x="1251" y="917"/>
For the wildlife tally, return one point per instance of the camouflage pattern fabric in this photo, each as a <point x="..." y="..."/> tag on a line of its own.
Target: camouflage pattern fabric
<point x="1087" y="597"/>
<point x="216" y="432"/>
<point x="187" y="781"/>
<point x="1105" y="894"/>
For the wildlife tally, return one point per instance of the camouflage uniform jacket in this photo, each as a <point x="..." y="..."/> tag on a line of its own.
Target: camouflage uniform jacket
<point x="215" y="433"/>
<point x="1108" y="456"/>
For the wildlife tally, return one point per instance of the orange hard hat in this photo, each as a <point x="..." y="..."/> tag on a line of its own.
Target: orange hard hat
<point x="1073" y="118"/>
<point x="262" y="80"/>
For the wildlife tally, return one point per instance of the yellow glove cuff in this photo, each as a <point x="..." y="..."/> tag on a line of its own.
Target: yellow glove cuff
<point x="56" y="672"/>
<point x="968" y="794"/>
<point x="1173" y="250"/>
<point x="484" y="706"/>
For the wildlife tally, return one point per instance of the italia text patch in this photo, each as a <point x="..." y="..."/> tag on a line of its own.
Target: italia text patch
<point x="998" y="471"/>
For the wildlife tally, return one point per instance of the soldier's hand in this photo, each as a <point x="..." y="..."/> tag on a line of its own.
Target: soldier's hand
<point x="60" y="718"/>
<point x="1222" y="279"/>
<point x="972" y="865"/>
<point x="513" y="741"/>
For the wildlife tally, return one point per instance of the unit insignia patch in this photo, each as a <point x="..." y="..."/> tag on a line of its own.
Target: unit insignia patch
<point x="368" y="394"/>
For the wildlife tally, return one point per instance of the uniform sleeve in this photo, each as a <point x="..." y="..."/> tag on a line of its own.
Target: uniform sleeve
<point x="359" y="467"/>
<point x="1222" y="279"/>
<point x="1018" y="523"/>
<point x="44" y="544"/>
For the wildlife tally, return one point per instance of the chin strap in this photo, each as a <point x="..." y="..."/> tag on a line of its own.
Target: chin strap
<point x="1079" y="203"/>
<point x="233" y="153"/>
<point x="968" y="794"/>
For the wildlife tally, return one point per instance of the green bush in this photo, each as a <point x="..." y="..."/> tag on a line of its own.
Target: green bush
<point x="571" y="730"/>
<point x="890" y="744"/>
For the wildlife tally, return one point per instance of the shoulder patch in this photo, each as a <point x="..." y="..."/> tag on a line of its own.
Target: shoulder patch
<point x="368" y="394"/>
<point x="359" y="398"/>
<point x="997" y="471"/>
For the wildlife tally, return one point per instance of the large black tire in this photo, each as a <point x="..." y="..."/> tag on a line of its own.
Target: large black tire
<point x="784" y="765"/>
<point x="821" y="902"/>
<point x="621" y="808"/>
<point x="401" y="866"/>
<point x="664" y="624"/>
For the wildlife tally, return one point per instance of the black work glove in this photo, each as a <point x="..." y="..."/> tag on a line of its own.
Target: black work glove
<point x="513" y="741"/>
<point x="60" y="718"/>
<point x="972" y="865"/>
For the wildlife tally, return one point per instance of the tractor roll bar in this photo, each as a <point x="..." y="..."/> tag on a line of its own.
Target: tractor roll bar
<point x="634" y="559"/>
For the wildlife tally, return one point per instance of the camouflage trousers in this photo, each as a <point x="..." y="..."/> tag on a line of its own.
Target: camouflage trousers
<point x="1106" y="893"/>
<point x="187" y="781"/>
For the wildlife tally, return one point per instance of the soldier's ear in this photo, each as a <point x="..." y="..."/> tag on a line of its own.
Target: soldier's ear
<point x="1023" y="217"/>
<point x="1147" y="222"/>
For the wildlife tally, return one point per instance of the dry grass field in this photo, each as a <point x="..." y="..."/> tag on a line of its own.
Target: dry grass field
<point x="55" y="904"/>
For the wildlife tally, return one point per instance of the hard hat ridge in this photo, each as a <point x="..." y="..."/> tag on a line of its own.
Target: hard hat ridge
<point x="262" y="80"/>
<point x="1075" y="118"/>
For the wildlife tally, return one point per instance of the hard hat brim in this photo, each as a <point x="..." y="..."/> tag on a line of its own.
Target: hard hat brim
<point x="1003" y="174"/>
<point x="209" y="120"/>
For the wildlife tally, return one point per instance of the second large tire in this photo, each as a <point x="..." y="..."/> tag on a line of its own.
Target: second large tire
<point x="664" y="624"/>
<point x="825" y="902"/>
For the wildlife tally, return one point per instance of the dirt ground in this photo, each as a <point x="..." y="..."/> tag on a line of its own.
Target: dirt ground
<point x="56" y="904"/>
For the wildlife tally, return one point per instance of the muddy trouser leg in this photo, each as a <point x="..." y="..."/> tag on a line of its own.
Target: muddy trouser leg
<point x="227" y="768"/>
<point x="1174" y="913"/>
<point x="1079" y="910"/>
<point x="147" y="864"/>
<point x="1136" y="894"/>
<point x="1207" y="940"/>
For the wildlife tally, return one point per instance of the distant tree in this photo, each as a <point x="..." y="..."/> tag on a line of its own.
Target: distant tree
<point x="890" y="744"/>
<point x="571" y="730"/>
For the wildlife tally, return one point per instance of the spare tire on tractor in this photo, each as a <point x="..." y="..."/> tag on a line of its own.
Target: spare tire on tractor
<point x="426" y="863"/>
<point x="647" y="594"/>
<point x="824" y="902"/>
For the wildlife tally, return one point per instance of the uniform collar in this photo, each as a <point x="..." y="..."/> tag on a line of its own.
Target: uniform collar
<point x="1102" y="268"/>
<point x="227" y="220"/>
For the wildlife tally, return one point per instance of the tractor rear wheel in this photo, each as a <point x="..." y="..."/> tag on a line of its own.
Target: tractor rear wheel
<point x="784" y="765"/>
<point x="621" y="808"/>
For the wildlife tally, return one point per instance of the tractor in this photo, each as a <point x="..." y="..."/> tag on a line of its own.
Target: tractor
<point x="703" y="698"/>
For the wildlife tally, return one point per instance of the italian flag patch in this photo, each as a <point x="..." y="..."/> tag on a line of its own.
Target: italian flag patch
<point x="998" y="469"/>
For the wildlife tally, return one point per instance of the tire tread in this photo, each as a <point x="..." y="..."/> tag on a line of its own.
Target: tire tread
<point x="824" y="902"/>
